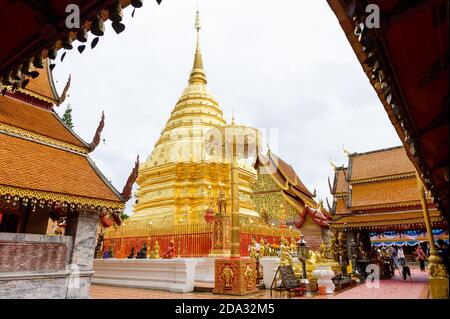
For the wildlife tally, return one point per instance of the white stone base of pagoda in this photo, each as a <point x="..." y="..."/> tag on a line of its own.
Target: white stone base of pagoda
<point x="204" y="272"/>
<point x="177" y="275"/>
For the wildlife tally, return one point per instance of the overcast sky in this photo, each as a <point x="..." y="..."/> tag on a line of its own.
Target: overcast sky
<point x="279" y="64"/>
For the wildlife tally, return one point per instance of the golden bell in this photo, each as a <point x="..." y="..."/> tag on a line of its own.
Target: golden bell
<point x="82" y="34"/>
<point x="38" y="62"/>
<point x="52" y="53"/>
<point x="115" y="12"/>
<point x="98" y="27"/>
<point x="67" y="42"/>
<point x="137" y="3"/>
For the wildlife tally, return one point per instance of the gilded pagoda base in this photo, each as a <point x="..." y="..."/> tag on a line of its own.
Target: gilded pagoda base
<point x="235" y="276"/>
<point x="438" y="288"/>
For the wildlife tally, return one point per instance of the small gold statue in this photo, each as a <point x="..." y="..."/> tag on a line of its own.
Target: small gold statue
<point x="285" y="254"/>
<point x="253" y="251"/>
<point x="155" y="252"/>
<point x="262" y="248"/>
<point x="334" y="251"/>
<point x="323" y="249"/>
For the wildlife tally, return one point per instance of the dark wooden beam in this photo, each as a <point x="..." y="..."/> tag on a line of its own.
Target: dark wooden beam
<point x="404" y="9"/>
<point x="44" y="7"/>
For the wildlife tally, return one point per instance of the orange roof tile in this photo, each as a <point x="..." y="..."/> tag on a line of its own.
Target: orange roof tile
<point x="380" y="163"/>
<point x="341" y="183"/>
<point x="340" y="206"/>
<point x="386" y="192"/>
<point x="42" y="86"/>
<point x="289" y="173"/>
<point x="35" y="119"/>
<point x="31" y="165"/>
<point x="384" y="219"/>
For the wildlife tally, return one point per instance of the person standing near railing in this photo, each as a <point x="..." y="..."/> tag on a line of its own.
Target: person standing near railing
<point x="420" y="257"/>
<point x="401" y="256"/>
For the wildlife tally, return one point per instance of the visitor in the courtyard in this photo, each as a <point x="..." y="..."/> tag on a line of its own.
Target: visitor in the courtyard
<point x="394" y="254"/>
<point x="401" y="256"/>
<point x="443" y="252"/>
<point x="420" y="257"/>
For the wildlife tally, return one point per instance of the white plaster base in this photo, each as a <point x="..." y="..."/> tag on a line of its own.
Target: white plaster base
<point x="176" y="274"/>
<point x="204" y="272"/>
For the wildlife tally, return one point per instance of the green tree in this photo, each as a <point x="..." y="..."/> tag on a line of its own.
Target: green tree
<point x="67" y="117"/>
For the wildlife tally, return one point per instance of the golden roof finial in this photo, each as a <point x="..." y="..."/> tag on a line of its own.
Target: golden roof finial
<point x="332" y="164"/>
<point x="345" y="151"/>
<point x="198" y="73"/>
<point x="232" y="117"/>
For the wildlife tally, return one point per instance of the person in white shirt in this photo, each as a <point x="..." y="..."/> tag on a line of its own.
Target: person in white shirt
<point x="401" y="256"/>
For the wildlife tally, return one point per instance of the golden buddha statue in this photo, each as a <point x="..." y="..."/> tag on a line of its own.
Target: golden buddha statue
<point x="334" y="254"/>
<point x="285" y="254"/>
<point x="323" y="249"/>
<point x="262" y="248"/>
<point x="253" y="251"/>
<point x="155" y="252"/>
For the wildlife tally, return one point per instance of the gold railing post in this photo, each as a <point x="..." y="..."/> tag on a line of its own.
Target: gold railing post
<point x="437" y="272"/>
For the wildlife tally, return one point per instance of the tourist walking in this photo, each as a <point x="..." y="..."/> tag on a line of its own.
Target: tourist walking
<point x="420" y="257"/>
<point x="394" y="254"/>
<point x="401" y="256"/>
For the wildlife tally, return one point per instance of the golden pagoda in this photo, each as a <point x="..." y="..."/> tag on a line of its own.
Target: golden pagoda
<point x="179" y="178"/>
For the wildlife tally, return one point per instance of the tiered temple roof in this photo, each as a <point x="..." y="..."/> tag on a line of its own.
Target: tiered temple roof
<point x="291" y="188"/>
<point x="381" y="192"/>
<point x="41" y="158"/>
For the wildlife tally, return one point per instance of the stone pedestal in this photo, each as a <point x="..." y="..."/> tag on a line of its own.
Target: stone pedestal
<point x="82" y="226"/>
<point x="235" y="276"/>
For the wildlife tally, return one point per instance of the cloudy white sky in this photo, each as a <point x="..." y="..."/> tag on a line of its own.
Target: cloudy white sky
<point x="279" y="64"/>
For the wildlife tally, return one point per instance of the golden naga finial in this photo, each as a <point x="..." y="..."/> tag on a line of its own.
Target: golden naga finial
<point x="232" y="117"/>
<point x="332" y="164"/>
<point x="345" y="151"/>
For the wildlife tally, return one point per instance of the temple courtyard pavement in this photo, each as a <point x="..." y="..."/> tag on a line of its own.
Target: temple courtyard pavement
<point x="394" y="288"/>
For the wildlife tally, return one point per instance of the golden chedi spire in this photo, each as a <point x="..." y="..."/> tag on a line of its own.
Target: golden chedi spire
<point x="198" y="73"/>
<point x="173" y="179"/>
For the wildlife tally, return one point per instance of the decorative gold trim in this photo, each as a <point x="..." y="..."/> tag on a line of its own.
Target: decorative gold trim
<point x="32" y="94"/>
<point x="384" y="223"/>
<point x="37" y="96"/>
<point x="30" y="193"/>
<point x="383" y="178"/>
<point x="391" y="205"/>
<point x="42" y="138"/>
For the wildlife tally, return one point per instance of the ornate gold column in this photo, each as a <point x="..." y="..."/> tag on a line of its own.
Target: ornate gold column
<point x="437" y="272"/>
<point x="235" y="230"/>
<point x="236" y="275"/>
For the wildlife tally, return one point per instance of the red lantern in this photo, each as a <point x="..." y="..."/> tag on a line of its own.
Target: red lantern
<point x="209" y="215"/>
